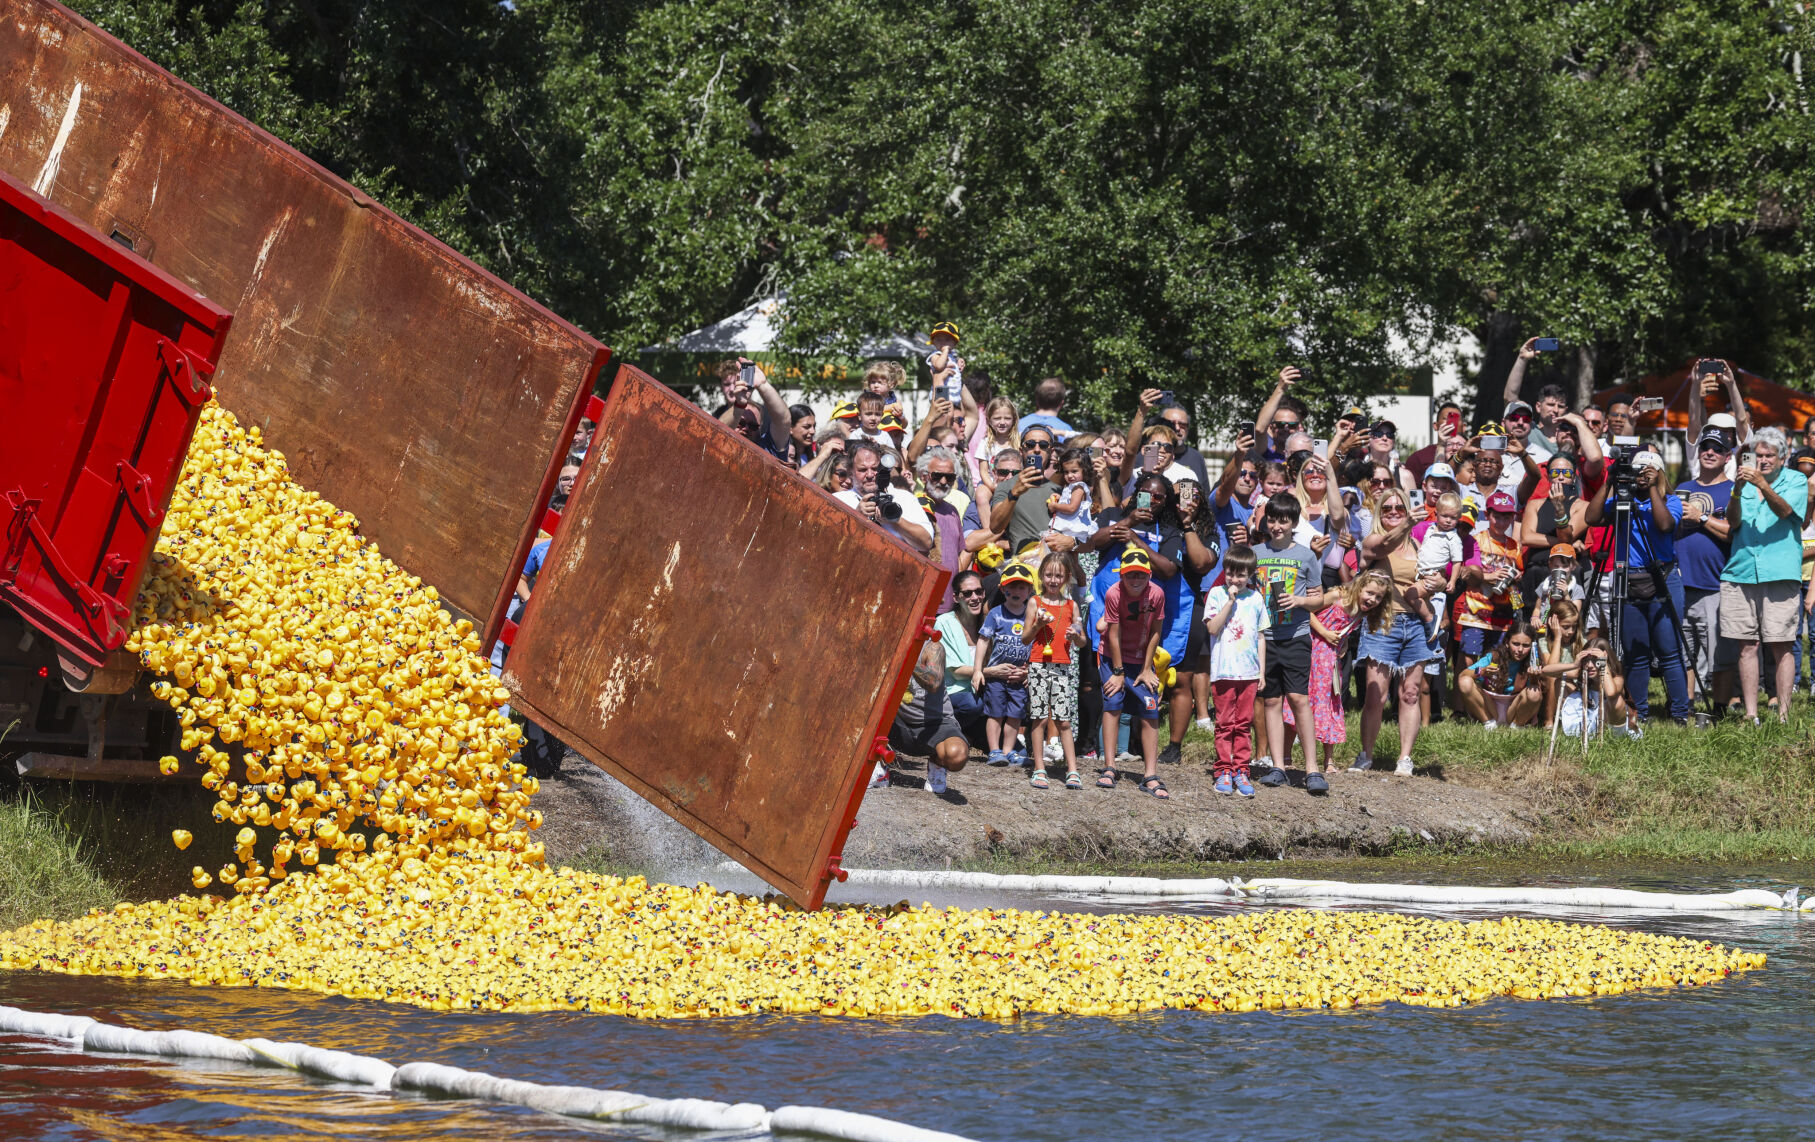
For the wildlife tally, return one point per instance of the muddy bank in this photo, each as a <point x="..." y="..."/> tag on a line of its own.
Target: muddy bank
<point x="996" y="813"/>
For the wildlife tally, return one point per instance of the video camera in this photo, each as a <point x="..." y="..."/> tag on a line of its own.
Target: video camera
<point x="1625" y="448"/>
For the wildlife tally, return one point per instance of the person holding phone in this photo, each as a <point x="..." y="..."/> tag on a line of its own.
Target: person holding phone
<point x="1702" y="545"/>
<point x="753" y="409"/>
<point x="1018" y="511"/>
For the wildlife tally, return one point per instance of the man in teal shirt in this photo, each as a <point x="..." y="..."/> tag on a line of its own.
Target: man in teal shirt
<point x="1761" y="587"/>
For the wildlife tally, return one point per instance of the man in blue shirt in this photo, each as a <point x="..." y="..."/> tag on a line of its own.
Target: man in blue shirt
<point x="1701" y="550"/>
<point x="1049" y="400"/>
<point x="1761" y="586"/>
<point x="1651" y="620"/>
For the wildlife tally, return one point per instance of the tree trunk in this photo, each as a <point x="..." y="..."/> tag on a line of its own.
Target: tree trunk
<point x="1500" y="343"/>
<point x="1586" y="355"/>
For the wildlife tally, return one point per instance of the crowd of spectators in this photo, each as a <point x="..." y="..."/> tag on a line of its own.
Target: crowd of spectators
<point x="1539" y="569"/>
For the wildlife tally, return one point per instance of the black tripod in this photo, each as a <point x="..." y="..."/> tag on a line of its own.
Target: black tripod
<point x="1621" y="569"/>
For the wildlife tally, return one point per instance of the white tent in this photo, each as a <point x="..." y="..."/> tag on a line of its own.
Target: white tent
<point x="756" y="329"/>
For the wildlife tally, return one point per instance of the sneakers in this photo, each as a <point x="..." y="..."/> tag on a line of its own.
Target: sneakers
<point x="1019" y="758"/>
<point x="1633" y="731"/>
<point x="1275" y="777"/>
<point x="1053" y="751"/>
<point x="879" y="779"/>
<point x="998" y="758"/>
<point x="1242" y="785"/>
<point x="1089" y="755"/>
<point x="1363" y="762"/>
<point x="1206" y="725"/>
<point x="1170" y="755"/>
<point x="935" y="778"/>
<point x="1224" y="785"/>
<point x="1492" y="725"/>
<point x="1404" y="768"/>
<point x="1125" y="756"/>
<point x="1315" y="783"/>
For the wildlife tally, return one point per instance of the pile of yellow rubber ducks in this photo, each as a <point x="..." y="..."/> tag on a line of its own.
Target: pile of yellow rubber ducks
<point x="328" y="699"/>
<point x="488" y="931"/>
<point x="326" y="694"/>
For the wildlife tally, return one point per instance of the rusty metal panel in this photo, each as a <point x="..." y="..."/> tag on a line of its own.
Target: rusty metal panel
<point x="721" y="635"/>
<point x="400" y="380"/>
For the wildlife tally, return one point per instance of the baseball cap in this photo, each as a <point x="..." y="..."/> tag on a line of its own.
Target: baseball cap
<point x="1383" y="428"/>
<point x="845" y="410"/>
<point x="1566" y="550"/>
<point x="1440" y="471"/>
<point x="893" y="423"/>
<point x="1802" y="454"/>
<point x="1723" y="420"/>
<point x="1714" y="438"/>
<point x="1518" y="408"/>
<point x="1491" y="428"/>
<point x="1353" y="412"/>
<point x="1654" y="461"/>
<point x="1017" y="572"/>
<point x="1134" y="559"/>
<point x="946" y="328"/>
<point x="1502" y="502"/>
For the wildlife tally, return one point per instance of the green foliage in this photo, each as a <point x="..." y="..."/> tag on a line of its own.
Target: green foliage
<point x="1185" y="193"/>
<point x="44" y="874"/>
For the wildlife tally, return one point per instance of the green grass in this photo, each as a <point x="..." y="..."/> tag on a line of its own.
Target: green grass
<point x="44" y="872"/>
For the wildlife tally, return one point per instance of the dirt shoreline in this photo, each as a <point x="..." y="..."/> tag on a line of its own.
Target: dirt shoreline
<point x="995" y="813"/>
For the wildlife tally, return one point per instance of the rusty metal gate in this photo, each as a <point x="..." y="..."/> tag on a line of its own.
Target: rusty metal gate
<point x="721" y="635"/>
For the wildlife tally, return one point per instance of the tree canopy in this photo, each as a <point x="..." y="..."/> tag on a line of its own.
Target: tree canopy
<point x="1182" y="193"/>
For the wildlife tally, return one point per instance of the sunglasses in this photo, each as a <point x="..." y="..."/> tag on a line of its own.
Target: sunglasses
<point x="1007" y="471"/>
<point x="974" y="592"/>
<point x="1392" y="509"/>
<point x="1247" y="474"/>
<point x="1286" y="425"/>
<point x="941" y="477"/>
<point x="1381" y="482"/>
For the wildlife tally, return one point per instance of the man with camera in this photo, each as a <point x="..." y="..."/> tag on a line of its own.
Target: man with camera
<point x="1019" y="512"/>
<point x="878" y="500"/>
<point x="1761" y="585"/>
<point x="1651" y="617"/>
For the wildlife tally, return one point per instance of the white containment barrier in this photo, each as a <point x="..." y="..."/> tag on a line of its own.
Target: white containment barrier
<point x="452" y="1082"/>
<point x="1142" y="886"/>
<point x="1281" y="888"/>
<point x="852" y="1127"/>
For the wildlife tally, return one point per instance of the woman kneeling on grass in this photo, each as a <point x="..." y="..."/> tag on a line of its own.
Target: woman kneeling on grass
<point x="1500" y="688"/>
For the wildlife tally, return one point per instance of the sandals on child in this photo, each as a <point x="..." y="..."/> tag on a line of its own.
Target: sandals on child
<point x="1038" y="780"/>
<point x="1073" y="781"/>
<point x="1106" y="779"/>
<point x="1154" y="787"/>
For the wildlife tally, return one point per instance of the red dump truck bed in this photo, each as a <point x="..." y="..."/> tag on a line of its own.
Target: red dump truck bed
<point x="709" y="627"/>
<point x="104" y="367"/>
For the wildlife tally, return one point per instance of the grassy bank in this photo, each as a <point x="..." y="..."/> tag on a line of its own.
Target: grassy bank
<point x="1732" y="792"/>
<point x="44" y="872"/>
<point x="69" y="847"/>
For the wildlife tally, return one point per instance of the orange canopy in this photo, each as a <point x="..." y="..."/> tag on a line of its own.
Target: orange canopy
<point x="1767" y="401"/>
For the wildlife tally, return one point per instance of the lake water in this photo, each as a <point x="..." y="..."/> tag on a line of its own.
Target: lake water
<point x="1732" y="1061"/>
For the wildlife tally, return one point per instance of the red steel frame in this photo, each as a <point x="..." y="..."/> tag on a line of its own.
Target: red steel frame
<point x="104" y="367"/>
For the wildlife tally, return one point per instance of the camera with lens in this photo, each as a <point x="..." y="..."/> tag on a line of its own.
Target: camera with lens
<point x="882" y="497"/>
<point x="1625" y="448"/>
